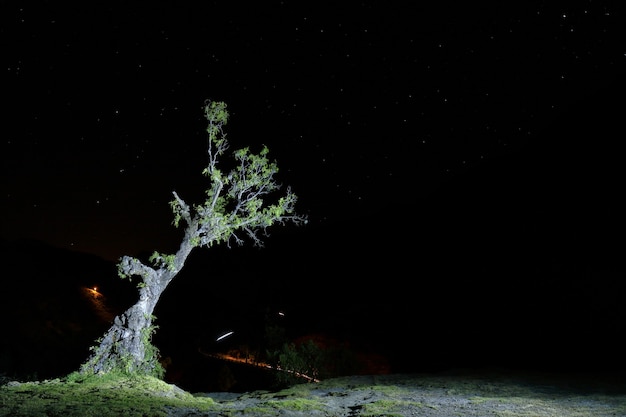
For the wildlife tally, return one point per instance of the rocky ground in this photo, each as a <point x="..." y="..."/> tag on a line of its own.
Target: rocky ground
<point x="442" y="395"/>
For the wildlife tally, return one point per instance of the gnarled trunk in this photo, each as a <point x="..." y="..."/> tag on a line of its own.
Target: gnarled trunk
<point x="127" y="346"/>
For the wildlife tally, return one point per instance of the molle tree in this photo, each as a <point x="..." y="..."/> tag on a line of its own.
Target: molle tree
<point x="236" y="205"/>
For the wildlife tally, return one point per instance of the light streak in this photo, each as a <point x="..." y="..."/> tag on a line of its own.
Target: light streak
<point x="223" y="336"/>
<point x="253" y="362"/>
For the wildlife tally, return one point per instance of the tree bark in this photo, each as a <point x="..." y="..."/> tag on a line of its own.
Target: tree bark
<point x="127" y="346"/>
<point x="124" y="345"/>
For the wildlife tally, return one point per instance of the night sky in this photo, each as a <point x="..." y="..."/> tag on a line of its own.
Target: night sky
<point x="451" y="156"/>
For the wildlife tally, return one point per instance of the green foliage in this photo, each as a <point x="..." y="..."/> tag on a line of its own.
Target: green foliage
<point x="121" y="272"/>
<point x="307" y="360"/>
<point x="177" y="210"/>
<point x="217" y="115"/>
<point x="151" y="354"/>
<point x="235" y="200"/>
<point x="120" y="361"/>
<point x="275" y="338"/>
<point x="159" y="259"/>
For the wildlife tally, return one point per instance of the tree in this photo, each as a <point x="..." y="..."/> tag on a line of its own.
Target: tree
<point x="235" y="205"/>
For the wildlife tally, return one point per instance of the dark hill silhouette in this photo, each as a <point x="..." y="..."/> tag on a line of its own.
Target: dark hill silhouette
<point x="424" y="310"/>
<point x="50" y="317"/>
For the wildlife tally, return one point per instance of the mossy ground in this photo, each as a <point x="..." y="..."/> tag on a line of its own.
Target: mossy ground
<point x="102" y="396"/>
<point x="469" y="394"/>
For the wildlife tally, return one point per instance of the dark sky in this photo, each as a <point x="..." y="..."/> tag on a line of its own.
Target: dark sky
<point x="461" y="163"/>
<point x="409" y="126"/>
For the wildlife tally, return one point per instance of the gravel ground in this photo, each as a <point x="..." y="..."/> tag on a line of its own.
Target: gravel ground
<point x="444" y="395"/>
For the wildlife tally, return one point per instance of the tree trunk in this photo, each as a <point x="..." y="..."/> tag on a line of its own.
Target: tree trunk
<point x="127" y="346"/>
